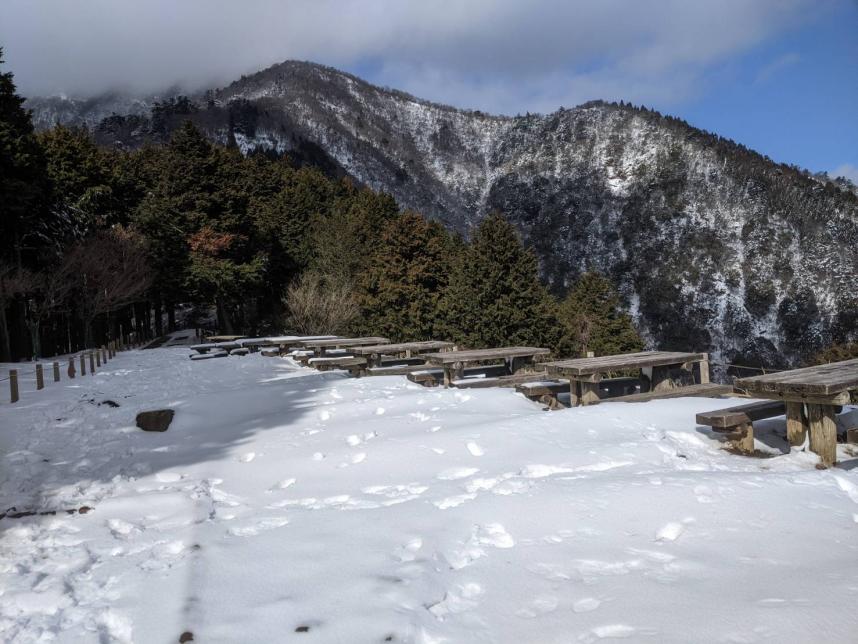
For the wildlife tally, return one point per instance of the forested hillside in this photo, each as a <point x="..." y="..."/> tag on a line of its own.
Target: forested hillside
<point x="101" y="241"/>
<point x="712" y="245"/>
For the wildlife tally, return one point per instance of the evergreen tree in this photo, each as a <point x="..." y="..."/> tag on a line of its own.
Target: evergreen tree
<point x="82" y="182"/>
<point x="400" y="291"/>
<point x="343" y="241"/>
<point x="593" y="320"/>
<point x="23" y="182"/>
<point x="494" y="297"/>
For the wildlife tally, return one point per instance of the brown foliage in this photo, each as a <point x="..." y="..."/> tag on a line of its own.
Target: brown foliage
<point x="317" y="305"/>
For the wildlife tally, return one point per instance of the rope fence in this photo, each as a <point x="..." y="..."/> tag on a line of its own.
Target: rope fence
<point x="93" y="358"/>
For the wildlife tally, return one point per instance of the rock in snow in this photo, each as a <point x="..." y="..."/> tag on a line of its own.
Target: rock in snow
<point x="571" y="526"/>
<point x="155" y="421"/>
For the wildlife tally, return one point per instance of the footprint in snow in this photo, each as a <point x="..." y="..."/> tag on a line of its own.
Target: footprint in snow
<point x="246" y="458"/>
<point x="324" y="415"/>
<point x="609" y="631"/>
<point x="168" y="477"/>
<point x="379" y="411"/>
<point x="672" y="531"/>
<point x="586" y="605"/>
<point x="475" y="449"/>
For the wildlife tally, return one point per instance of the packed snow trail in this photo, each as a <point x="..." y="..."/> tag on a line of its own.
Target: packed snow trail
<point x="288" y="505"/>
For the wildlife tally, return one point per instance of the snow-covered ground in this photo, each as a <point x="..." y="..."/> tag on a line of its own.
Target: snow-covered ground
<point x="288" y="505"/>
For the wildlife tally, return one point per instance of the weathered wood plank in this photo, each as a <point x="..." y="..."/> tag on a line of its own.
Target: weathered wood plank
<point x="500" y="381"/>
<point x="340" y="343"/>
<point x="602" y="364"/>
<point x="796" y="426"/>
<point x="740" y="415"/>
<point x="705" y="390"/>
<point x="824" y="379"/>
<point x="823" y="433"/>
<point x="403" y="347"/>
<point x="476" y="355"/>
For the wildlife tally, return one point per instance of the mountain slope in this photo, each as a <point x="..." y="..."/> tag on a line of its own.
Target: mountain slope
<point x="714" y="246"/>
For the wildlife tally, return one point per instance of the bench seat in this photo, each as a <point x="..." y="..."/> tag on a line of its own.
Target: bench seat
<point x="706" y="390"/>
<point x="498" y="381"/>
<point x="738" y="422"/>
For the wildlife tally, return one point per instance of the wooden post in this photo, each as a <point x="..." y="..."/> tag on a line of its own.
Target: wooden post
<point x="704" y="371"/>
<point x="591" y="354"/>
<point x="823" y="433"/>
<point x="56" y="372"/>
<point x="40" y="377"/>
<point x="91" y="364"/>
<point x="743" y="438"/>
<point x="97" y="357"/>
<point x="661" y="379"/>
<point x="796" y="427"/>
<point x="82" y="364"/>
<point x="13" y="385"/>
<point x="589" y="392"/>
<point x="574" y="393"/>
<point x="70" y="371"/>
<point x="104" y="354"/>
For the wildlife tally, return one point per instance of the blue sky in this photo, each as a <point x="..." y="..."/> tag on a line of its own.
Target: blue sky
<point x="779" y="76"/>
<point x="794" y="98"/>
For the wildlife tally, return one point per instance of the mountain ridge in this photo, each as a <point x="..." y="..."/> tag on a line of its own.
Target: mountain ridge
<point x="714" y="246"/>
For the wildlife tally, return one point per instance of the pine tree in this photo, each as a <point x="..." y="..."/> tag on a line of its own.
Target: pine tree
<point x="23" y="184"/>
<point x="593" y="320"/>
<point x="495" y="297"/>
<point x="400" y="290"/>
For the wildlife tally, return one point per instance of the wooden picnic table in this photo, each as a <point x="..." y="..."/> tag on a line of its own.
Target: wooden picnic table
<point x="822" y="389"/>
<point x="453" y="362"/>
<point x="374" y="352"/>
<point x="320" y="346"/>
<point x="584" y="374"/>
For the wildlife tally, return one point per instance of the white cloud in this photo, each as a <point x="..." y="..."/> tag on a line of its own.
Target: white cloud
<point x="846" y="170"/>
<point x="497" y="55"/>
<point x="777" y="65"/>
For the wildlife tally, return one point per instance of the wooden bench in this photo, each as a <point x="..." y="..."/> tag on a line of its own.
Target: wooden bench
<point x="738" y="422"/>
<point x="706" y="390"/>
<point x="208" y="356"/>
<point x="352" y="364"/>
<point x="377" y="354"/>
<point x="544" y="391"/>
<point x="656" y="368"/>
<point x="498" y="381"/>
<point x="433" y="376"/>
<point x="515" y="358"/>
<point x="818" y="390"/>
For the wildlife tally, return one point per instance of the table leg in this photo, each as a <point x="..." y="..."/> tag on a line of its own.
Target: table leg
<point x="574" y="393"/>
<point x="703" y="365"/>
<point x="823" y="433"/>
<point x="661" y="379"/>
<point x="796" y="426"/>
<point x="589" y="392"/>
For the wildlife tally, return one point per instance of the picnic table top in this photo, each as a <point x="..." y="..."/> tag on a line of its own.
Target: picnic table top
<point x="825" y="379"/>
<point x="224" y="338"/>
<point x="215" y="345"/>
<point x="343" y="342"/>
<point x="642" y="359"/>
<point x="474" y="355"/>
<point x="425" y="345"/>
<point x="282" y="339"/>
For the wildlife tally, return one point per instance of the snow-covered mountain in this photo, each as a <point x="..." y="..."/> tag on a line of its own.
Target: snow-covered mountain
<point x="714" y="246"/>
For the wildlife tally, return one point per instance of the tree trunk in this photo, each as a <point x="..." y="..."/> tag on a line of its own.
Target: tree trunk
<point x="5" y="346"/>
<point x="223" y="320"/>
<point x="159" y="323"/>
<point x="171" y="317"/>
<point x="35" y="339"/>
<point x="88" y="340"/>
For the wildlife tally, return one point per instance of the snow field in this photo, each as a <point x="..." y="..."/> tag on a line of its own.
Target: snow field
<point x="285" y="504"/>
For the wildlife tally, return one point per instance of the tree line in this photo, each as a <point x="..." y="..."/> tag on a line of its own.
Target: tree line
<point x="98" y="242"/>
